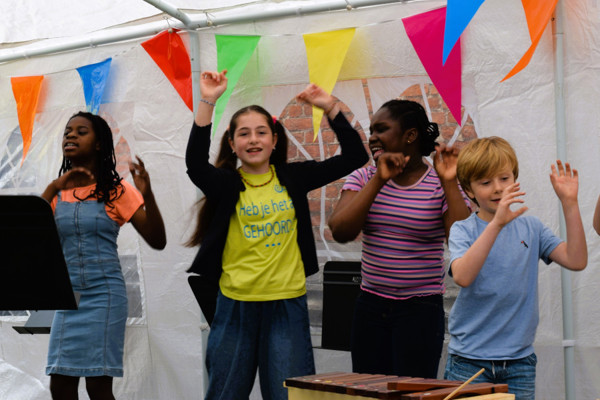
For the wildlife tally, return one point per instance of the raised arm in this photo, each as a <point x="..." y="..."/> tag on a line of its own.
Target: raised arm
<point x="147" y="220"/>
<point x="318" y="97"/>
<point x="444" y="162"/>
<point x="201" y="172"/>
<point x="571" y="254"/>
<point x="312" y="174"/>
<point x="466" y="268"/>
<point x="350" y="213"/>
<point x="212" y="86"/>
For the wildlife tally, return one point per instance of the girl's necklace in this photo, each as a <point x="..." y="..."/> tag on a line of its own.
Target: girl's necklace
<point x="262" y="184"/>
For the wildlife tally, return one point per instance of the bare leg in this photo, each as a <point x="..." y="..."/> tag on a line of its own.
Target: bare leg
<point x="64" y="387"/>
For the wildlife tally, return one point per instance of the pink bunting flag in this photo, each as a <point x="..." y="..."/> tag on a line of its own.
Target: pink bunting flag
<point x="26" y="90"/>
<point x="169" y="53"/>
<point x="426" y="33"/>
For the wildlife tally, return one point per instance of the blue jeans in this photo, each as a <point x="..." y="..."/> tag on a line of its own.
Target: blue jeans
<point x="271" y="336"/>
<point x="397" y="337"/>
<point x="518" y="374"/>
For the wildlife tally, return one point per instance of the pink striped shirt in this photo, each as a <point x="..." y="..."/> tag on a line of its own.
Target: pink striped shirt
<point x="403" y="236"/>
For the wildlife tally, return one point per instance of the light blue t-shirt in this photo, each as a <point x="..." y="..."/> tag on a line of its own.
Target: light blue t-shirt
<point x="496" y="317"/>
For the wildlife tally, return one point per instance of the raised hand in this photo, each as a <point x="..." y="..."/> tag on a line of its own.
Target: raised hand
<point x="317" y="96"/>
<point x="444" y="161"/>
<point x="140" y="176"/>
<point x="213" y="84"/>
<point x="511" y="195"/>
<point x="565" y="181"/>
<point x="75" y="177"/>
<point x="390" y="165"/>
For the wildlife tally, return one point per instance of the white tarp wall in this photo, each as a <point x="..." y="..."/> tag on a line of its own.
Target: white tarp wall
<point x="163" y="357"/>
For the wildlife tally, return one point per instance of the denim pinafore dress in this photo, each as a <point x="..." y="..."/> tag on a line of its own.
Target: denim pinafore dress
<point x="89" y="341"/>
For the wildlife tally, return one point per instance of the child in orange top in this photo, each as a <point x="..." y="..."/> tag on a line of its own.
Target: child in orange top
<point x="90" y="203"/>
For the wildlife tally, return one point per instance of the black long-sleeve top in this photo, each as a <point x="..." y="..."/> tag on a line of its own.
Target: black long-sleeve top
<point x="223" y="186"/>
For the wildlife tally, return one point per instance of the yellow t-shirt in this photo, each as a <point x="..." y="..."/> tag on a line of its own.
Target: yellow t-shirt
<point x="261" y="259"/>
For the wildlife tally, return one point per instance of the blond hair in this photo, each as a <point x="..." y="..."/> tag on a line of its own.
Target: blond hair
<point x="484" y="157"/>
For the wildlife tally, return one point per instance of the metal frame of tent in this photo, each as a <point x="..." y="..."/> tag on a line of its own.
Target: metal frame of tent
<point x="192" y="22"/>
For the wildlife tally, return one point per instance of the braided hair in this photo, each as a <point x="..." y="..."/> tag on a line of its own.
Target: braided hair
<point x="108" y="181"/>
<point x="228" y="160"/>
<point x="411" y="114"/>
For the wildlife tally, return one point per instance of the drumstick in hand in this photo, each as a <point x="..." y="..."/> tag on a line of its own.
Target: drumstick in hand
<point x="451" y="395"/>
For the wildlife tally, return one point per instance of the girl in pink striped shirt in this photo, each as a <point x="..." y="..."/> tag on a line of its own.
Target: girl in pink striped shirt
<point x="404" y="208"/>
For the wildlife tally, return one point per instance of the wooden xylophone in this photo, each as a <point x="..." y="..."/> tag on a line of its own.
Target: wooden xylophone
<point x="344" y="385"/>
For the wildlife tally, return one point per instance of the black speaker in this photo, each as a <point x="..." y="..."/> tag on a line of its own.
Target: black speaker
<point x="341" y="285"/>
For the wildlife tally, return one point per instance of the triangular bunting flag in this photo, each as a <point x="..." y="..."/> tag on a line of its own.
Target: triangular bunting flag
<point x="458" y="15"/>
<point x="538" y="13"/>
<point x="94" y="78"/>
<point x="233" y="54"/>
<point x="26" y="90"/>
<point x="326" y="52"/>
<point x="426" y="33"/>
<point x="169" y="53"/>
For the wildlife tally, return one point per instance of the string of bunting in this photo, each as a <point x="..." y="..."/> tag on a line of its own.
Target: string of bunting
<point x="435" y="36"/>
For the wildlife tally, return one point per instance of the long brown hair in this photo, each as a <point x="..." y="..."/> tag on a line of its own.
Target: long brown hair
<point x="228" y="160"/>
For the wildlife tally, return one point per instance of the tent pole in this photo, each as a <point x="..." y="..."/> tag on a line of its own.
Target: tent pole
<point x="195" y="70"/>
<point x="566" y="288"/>
<point x="195" y="63"/>
<point x="184" y="21"/>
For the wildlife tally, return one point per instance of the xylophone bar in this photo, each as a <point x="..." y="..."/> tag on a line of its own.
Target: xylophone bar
<point x="343" y="385"/>
<point x="471" y="389"/>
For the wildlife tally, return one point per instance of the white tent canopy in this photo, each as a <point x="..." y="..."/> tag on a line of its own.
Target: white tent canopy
<point x="163" y="356"/>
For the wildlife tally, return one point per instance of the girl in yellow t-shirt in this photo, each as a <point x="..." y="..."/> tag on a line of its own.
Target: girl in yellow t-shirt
<point x="256" y="240"/>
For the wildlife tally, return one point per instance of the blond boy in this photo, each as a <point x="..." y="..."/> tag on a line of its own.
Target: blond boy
<point x="494" y="257"/>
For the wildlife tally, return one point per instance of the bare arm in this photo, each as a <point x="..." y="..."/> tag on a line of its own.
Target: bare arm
<point x="147" y="220"/>
<point x="466" y="268"/>
<point x="318" y="97"/>
<point x="349" y="215"/>
<point x="596" y="221"/>
<point x="444" y="161"/>
<point x="75" y="177"/>
<point x="571" y="254"/>
<point x="212" y="86"/>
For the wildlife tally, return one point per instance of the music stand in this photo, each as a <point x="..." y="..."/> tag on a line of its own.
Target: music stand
<point x="33" y="270"/>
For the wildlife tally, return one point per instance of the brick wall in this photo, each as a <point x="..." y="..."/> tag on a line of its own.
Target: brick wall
<point x="297" y="119"/>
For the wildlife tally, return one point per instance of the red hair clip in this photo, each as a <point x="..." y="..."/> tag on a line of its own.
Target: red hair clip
<point x="274" y="119"/>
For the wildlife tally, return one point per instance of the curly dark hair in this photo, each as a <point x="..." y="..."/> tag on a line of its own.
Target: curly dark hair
<point x="411" y="114"/>
<point x="108" y="181"/>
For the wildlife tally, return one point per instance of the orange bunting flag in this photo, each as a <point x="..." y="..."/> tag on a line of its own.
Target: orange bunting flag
<point x="538" y="14"/>
<point x="326" y="53"/>
<point x="26" y="90"/>
<point x="169" y="53"/>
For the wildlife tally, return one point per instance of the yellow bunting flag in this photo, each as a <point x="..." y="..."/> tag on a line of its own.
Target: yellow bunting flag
<point x="26" y="90"/>
<point x="325" y="53"/>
